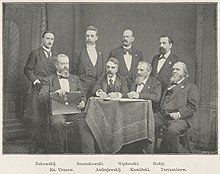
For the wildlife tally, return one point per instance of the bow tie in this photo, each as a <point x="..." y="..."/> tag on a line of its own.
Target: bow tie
<point x="129" y="51"/>
<point x="162" y="57"/>
<point x="173" y="83"/>
<point x="62" y="77"/>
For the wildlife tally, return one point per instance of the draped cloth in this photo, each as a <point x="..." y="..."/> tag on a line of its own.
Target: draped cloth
<point x="116" y="123"/>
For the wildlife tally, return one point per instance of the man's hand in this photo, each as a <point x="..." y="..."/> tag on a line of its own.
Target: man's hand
<point x="174" y="116"/>
<point x="81" y="105"/>
<point x="114" y="95"/>
<point x="133" y="94"/>
<point x="100" y="93"/>
<point x="61" y="92"/>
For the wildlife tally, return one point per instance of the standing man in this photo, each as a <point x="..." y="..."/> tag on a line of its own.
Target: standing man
<point x="162" y="64"/>
<point x="178" y="105"/>
<point x="90" y="63"/>
<point x="128" y="57"/>
<point x="62" y="82"/>
<point x="110" y="84"/>
<point x="40" y="64"/>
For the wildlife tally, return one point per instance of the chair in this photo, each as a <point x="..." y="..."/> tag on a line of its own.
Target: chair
<point x="68" y="128"/>
<point x="183" y="139"/>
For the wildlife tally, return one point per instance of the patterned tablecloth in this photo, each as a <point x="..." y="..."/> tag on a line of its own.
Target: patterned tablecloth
<point x="115" y="123"/>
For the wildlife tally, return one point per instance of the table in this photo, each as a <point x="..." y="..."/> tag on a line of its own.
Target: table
<point x="115" y="123"/>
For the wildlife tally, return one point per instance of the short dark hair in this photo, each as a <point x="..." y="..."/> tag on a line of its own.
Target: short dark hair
<point x="91" y="27"/>
<point x="170" y="40"/>
<point x="47" y="31"/>
<point x="114" y="60"/>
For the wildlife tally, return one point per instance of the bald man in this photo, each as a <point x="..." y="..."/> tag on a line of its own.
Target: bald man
<point x="128" y="57"/>
<point x="178" y="105"/>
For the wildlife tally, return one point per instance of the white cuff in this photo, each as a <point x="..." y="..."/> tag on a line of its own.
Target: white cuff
<point x="119" y="95"/>
<point x="179" y="115"/>
<point x="98" y="91"/>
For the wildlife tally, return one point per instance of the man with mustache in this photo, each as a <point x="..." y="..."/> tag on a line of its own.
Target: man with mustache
<point x="162" y="63"/>
<point x="89" y="63"/>
<point x="145" y="86"/>
<point x="40" y="64"/>
<point x="63" y="82"/>
<point x="178" y="105"/>
<point x="128" y="57"/>
<point x="110" y="84"/>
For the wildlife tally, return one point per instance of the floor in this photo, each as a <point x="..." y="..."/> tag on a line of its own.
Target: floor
<point x="20" y="146"/>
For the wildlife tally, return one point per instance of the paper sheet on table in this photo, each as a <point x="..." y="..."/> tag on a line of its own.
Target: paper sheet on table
<point x="123" y="99"/>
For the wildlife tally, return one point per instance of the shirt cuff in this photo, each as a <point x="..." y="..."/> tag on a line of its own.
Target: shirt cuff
<point x="35" y="81"/>
<point x="98" y="91"/>
<point x="119" y="95"/>
<point x="179" y="115"/>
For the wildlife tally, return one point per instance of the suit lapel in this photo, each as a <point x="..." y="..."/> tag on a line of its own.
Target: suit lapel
<point x="177" y="88"/>
<point x="105" y="85"/>
<point x="56" y="83"/>
<point x="85" y="58"/>
<point x="117" y="84"/>
<point x="44" y="59"/>
<point x="167" y="64"/>
<point x="99" y="63"/>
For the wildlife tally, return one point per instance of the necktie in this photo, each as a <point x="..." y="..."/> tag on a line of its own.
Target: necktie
<point x="129" y="51"/>
<point x="48" y="54"/>
<point x="111" y="81"/>
<point x="62" y="77"/>
<point x="162" y="57"/>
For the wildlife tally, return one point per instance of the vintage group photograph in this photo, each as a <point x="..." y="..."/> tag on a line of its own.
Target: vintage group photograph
<point x="109" y="78"/>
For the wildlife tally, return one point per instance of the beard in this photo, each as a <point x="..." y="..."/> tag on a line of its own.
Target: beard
<point x="175" y="78"/>
<point x="65" y="72"/>
<point x="139" y="80"/>
<point x="162" y="50"/>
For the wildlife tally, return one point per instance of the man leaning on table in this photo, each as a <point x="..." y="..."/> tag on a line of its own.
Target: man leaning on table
<point x="145" y="86"/>
<point x="110" y="84"/>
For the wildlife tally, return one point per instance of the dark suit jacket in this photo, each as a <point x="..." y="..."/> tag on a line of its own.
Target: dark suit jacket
<point x="37" y="66"/>
<point x="151" y="90"/>
<point x="51" y="84"/>
<point x="79" y="63"/>
<point x="165" y="72"/>
<point x="184" y="99"/>
<point x="123" y="71"/>
<point x="120" y="85"/>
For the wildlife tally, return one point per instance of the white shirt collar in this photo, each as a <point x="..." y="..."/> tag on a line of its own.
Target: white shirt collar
<point x="90" y="46"/>
<point x="180" y="80"/>
<point x="48" y="50"/>
<point x="113" y="79"/>
<point x="166" y="55"/>
<point x="127" y="47"/>
<point x="145" y="80"/>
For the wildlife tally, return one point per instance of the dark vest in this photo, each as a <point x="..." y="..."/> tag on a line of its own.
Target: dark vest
<point x="91" y="70"/>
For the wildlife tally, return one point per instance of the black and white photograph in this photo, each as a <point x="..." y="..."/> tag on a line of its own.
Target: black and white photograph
<point x="115" y="86"/>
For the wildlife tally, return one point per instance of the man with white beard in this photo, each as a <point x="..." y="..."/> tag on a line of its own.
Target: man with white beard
<point x="178" y="105"/>
<point x="145" y="86"/>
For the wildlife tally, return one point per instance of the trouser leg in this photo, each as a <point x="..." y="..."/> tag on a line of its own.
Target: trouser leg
<point x="57" y="132"/>
<point x="172" y="134"/>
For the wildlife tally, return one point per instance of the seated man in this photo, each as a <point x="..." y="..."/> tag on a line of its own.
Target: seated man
<point x="110" y="84"/>
<point x="178" y="105"/>
<point x="145" y="86"/>
<point x="61" y="83"/>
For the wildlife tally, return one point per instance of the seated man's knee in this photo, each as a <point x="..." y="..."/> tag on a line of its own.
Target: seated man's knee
<point x="57" y="124"/>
